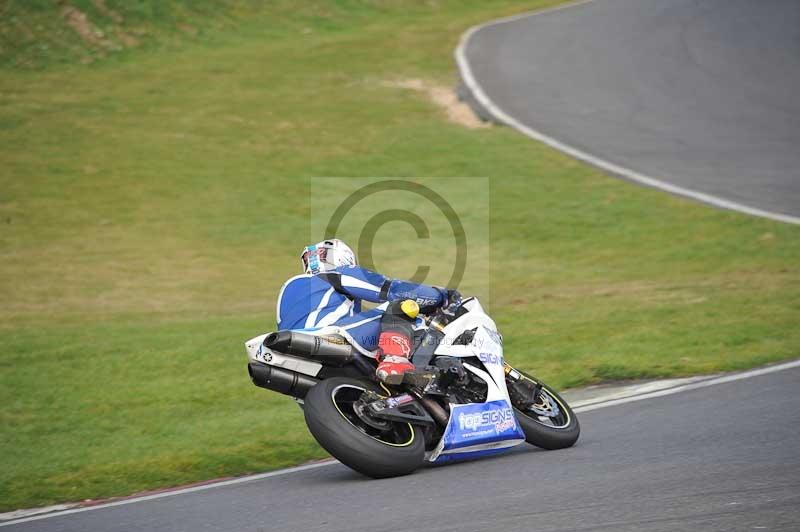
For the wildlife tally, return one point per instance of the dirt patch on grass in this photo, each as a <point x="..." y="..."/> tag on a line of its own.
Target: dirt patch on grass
<point x="78" y="21"/>
<point x="92" y="35"/>
<point x="445" y="98"/>
<point x="107" y="11"/>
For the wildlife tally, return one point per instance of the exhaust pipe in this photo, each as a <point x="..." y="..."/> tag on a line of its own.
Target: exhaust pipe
<point x="280" y="380"/>
<point x="327" y="350"/>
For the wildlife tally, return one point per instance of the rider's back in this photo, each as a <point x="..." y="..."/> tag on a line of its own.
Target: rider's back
<point x="309" y="301"/>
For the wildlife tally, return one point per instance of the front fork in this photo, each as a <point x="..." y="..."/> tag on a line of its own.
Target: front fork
<point x="522" y="390"/>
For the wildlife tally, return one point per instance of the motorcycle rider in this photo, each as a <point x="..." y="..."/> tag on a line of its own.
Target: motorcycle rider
<point x="326" y="299"/>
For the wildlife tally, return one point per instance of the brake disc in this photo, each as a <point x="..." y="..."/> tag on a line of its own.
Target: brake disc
<point x="543" y="405"/>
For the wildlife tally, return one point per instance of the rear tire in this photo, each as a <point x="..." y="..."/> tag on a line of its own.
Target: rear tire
<point x="558" y="432"/>
<point x="331" y="420"/>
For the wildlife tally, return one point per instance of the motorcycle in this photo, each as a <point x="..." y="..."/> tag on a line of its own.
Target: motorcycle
<point x="462" y="400"/>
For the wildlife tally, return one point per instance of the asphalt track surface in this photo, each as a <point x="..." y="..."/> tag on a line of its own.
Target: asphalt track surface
<point x="700" y="94"/>
<point x="724" y="457"/>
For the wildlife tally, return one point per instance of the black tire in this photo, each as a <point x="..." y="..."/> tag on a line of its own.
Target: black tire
<point x="349" y="440"/>
<point x="564" y="433"/>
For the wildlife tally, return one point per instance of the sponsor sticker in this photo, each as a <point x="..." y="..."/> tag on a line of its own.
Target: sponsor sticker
<point x="497" y="420"/>
<point x="491" y="358"/>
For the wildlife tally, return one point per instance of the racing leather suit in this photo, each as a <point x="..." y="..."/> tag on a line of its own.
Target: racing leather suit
<point x="330" y="302"/>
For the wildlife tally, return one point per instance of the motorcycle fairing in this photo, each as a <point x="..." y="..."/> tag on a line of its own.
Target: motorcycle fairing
<point x="477" y="429"/>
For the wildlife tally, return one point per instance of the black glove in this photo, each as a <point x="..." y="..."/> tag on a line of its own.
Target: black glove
<point x="452" y="301"/>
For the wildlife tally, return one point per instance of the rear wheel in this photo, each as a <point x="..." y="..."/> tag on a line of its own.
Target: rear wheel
<point x="372" y="447"/>
<point x="545" y="417"/>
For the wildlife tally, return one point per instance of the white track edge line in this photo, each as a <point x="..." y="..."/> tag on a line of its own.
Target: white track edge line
<point x="478" y="93"/>
<point x="170" y="493"/>
<point x="587" y="408"/>
<point x="621" y="395"/>
<point x="692" y="386"/>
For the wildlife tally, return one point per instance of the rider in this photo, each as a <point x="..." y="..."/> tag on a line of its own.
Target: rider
<point x="326" y="299"/>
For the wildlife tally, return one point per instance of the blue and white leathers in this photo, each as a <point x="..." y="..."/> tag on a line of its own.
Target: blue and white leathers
<point x="330" y="302"/>
<point x="477" y="429"/>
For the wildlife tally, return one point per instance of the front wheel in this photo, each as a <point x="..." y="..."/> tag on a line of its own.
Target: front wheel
<point x="377" y="450"/>
<point x="545" y="417"/>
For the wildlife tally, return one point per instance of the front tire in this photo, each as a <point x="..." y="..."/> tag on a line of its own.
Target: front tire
<point x="549" y="422"/>
<point x="329" y="414"/>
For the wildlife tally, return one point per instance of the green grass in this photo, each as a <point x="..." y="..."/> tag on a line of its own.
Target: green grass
<point x="152" y="202"/>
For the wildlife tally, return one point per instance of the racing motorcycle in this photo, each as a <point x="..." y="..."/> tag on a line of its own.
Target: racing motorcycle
<point x="462" y="400"/>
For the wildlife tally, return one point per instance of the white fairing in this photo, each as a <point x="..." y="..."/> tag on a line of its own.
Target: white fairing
<point x="492" y="424"/>
<point x="486" y="335"/>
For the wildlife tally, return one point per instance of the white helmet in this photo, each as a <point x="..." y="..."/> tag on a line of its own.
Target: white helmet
<point x="326" y="256"/>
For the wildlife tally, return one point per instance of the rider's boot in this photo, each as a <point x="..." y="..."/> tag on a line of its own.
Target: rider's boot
<point x="395" y="341"/>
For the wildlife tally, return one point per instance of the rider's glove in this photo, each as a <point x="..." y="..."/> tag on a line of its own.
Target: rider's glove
<point x="451" y="301"/>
